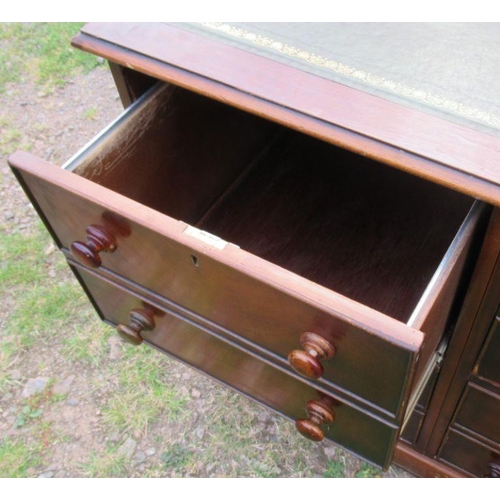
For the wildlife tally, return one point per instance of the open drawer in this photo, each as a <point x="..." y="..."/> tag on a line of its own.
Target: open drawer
<point x="269" y="234"/>
<point x="198" y="345"/>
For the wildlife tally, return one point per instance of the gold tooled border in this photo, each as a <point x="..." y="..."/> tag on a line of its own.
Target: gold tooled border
<point x="379" y="82"/>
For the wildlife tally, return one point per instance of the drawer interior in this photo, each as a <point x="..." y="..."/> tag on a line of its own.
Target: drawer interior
<point x="370" y="232"/>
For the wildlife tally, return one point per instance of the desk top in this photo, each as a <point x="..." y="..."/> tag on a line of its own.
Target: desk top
<point x="451" y="70"/>
<point x="421" y="97"/>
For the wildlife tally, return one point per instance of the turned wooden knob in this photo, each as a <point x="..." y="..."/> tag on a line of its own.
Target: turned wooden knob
<point x="99" y="239"/>
<point x="307" y="362"/>
<point x="320" y="412"/>
<point x="140" y="320"/>
<point x="494" y="469"/>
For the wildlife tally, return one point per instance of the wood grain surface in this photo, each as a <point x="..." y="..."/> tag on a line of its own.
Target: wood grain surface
<point x="461" y="158"/>
<point x="361" y="433"/>
<point x="479" y="412"/>
<point x="468" y="454"/>
<point x="264" y="303"/>
<point x="371" y="233"/>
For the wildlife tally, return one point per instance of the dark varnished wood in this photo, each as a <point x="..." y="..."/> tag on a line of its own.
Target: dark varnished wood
<point x="340" y="220"/>
<point x="308" y="361"/>
<point x="471" y="413"/>
<point x="130" y="84"/>
<point x="446" y="298"/>
<point x="488" y="364"/>
<point x="494" y="468"/>
<point x="412" y="428"/>
<point x="141" y="320"/>
<point x="232" y="337"/>
<point x="233" y="288"/>
<point x="423" y="466"/>
<point x="217" y="189"/>
<point x="477" y="314"/>
<point x="462" y="158"/>
<point x="330" y="133"/>
<point x="468" y="454"/>
<point x="320" y="412"/>
<point x="177" y="154"/>
<point x="102" y="237"/>
<point x="99" y="239"/>
<point x="358" y="431"/>
<point x="479" y="413"/>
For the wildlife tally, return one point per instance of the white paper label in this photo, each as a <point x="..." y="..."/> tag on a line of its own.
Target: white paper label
<point x="209" y="239"/>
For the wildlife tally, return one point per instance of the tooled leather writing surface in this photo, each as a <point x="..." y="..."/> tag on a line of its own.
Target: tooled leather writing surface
<point x="414" y="140"/>
<point x="447" y="69"/>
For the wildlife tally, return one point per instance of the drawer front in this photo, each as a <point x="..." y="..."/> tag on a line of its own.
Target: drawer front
<point x="488" y="366"/>
<point x="358" y="432"/>
<point x="480" y="413"/>
<point x="375" y="355"/>
<point x="470" y="455"/>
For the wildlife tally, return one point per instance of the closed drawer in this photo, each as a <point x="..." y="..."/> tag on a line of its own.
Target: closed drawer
<point x="479" y="412"/>
<point x="355" y="430"/>
<point x="488" y="365"/>
<point x="470" y="455"/>
<point x="412" y="428"/>
<point x="323" y="241"/>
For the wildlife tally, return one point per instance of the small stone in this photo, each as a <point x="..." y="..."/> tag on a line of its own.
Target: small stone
<point x="127" y="448"/>
<point x="199" y="432"/>
<point x="195" y="393"/>
<point x="98" y="412"/>
<point x="186" y="376"/>
<point x="330" y="452"/>
<point x="52" y="466"/>
<point x="150" y="452"/>
<point x="72" y="402"/>
<point x="139" y="457"/>
<point x="100" y="60"/>
<point x="63" y="386"/>
<point x="34" y="386"/>
<point x="8" y="215"/>
<point x="47" y="473"/>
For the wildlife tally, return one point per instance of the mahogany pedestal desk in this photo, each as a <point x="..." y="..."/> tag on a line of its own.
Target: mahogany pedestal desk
<point x="306" y="213"/>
